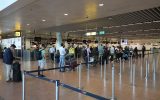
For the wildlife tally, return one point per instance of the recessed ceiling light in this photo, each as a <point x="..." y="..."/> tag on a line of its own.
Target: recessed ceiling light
<point x="139" y="23"/>
<point x="43" y="20"/>
<point x="130" y="24"/>
<point x="124" y="25"/>
<point x="156" y="21"/>
<point x="66" y="14"/>
<point x="110" y="18"/>
<point x="147" y="22"/>
<point x="28" y="24"/>
<point x="101" y="4"/>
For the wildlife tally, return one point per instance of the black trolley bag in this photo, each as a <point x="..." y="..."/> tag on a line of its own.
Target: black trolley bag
<point x="71" y="62"/>
<point x="17" y="75"/>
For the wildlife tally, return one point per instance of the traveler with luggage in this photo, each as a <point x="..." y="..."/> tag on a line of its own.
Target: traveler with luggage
<point x="41" y="57"/>
<point x="8" y="61"/>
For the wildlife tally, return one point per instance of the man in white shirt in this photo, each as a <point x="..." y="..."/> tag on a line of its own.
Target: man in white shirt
<point x="62" y="52"/>
<point x="52" y="51"/>
<point x="88" y="50"/>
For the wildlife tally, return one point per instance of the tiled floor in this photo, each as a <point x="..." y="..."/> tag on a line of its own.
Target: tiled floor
<point x="93" y="80"/>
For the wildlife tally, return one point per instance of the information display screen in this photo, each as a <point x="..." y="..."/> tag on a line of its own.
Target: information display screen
<point x="16" y="41"/>
<point x="124" y="41"/>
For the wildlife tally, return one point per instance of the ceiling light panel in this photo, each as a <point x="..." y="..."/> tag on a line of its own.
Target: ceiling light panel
<point x="43" y="20"/>
<point x="101" y="4"/>
<point x="66" y="14"/>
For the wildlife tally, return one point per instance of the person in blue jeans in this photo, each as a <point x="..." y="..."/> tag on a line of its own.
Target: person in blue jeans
<point x="62" y="53"/>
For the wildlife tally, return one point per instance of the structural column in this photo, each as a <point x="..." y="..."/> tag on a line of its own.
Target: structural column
<point x="59" y="40"/>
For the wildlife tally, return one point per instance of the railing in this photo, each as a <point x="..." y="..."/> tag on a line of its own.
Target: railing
<point x="57" y="84"/>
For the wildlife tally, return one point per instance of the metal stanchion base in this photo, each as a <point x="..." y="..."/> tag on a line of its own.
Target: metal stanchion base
<point x="133" y="84"/>
<point x="41" y="76"/>
<point x="81" y="88"/>
<point x="146" y="78"/>
<point x="113" y="98"/>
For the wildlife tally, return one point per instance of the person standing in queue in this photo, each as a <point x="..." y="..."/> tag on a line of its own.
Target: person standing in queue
<point x="52" y="52"/>
<point x="143" y="50"/>
<point x="112" y="53"/>
<point x="88" y="54"/>
<point x="135" y="52"/>
<point x="62" y="52"/>
<point x="101" y="52"/>
<point x="8" y="61"/>
<point x="41" y="58"/>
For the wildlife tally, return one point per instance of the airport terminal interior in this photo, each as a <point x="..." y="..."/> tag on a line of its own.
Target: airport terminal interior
<point x="79" y="49"/>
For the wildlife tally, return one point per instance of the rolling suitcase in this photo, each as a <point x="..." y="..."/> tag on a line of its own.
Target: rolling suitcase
<point x="17" y="76"/>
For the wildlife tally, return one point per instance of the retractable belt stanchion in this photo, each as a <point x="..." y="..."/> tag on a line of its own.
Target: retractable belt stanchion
<point x="134" y="73"/>
<point x="88" y="61"/>
<point x="105" y="69"/>
<point x="80" y="69"/>
<point x="101" y="66"/>
<point x="154" y="69"/>
<point x="148" y="66"/>
<point x="146" y="77"/>
<point x="123" y="64"/>
<point x="129" y="61"/>
<point x="57" y="89"/>
<point x="113" y="84"/>
<point x="23" y="85"/>
<point x="54" y="60"/>
<point x="141" y="66"/>
<point x="131" y="72"/>
<point x="120" y="65"/>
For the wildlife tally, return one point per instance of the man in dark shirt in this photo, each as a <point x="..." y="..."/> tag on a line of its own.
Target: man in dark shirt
<point x="143" y="50"/>
<point x="8" y="60"/>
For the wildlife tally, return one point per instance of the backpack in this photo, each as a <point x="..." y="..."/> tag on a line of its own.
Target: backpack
<point x="39" y="54"/>
<point x="85" y="53"/>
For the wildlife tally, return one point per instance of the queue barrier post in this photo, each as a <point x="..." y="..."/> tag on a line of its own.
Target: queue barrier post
<point x="57" y="89"/>
<point x="23" y="85"/>
<point x="113" y="84"/>
<point x="101" y="66"/>
<point x="120" y="71"/>
<point x="146" y="77"/>
<point x="134" y="68"/>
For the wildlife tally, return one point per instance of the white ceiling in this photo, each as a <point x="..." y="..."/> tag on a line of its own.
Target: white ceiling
<point x="23" y="12"/>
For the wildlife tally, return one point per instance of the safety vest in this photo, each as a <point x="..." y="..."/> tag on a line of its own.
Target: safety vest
<point x="72" y="50"/>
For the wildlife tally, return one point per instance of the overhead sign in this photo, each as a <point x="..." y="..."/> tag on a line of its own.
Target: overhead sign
<point x="17" y="33"/>
<point x="91" y="33"/>
<point x="101" y="32"/>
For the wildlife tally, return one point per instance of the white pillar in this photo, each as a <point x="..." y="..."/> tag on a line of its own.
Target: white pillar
<point x="59" y="40"/>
